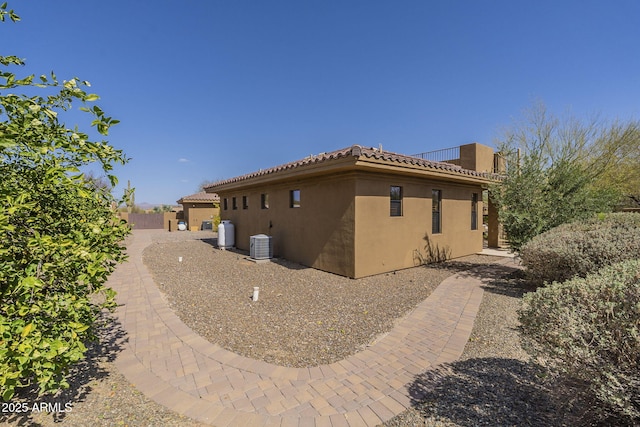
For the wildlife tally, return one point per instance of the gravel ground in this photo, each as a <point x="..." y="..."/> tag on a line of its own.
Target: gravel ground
<point x="305" y="317"/>
<point x="493" y="383"/>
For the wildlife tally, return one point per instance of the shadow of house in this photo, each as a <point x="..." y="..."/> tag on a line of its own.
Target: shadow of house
<point x="245" y="254"/>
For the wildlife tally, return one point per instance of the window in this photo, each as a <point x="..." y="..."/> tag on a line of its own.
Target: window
<point x="395" y="196"/>
<point x="474" y="211"/>
<point x="225" y="204"/>
<point x="264" y="201"/>
<point x="234" y="203"/>
<point x="245" y="202"/>
<point x="294" y="199"/>
<point x="436" y="211"/>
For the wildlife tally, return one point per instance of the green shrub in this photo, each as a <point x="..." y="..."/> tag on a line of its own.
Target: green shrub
<point x="59" y="236"/>
<point x="580" y="248"/>
<point x="588" y="330"/>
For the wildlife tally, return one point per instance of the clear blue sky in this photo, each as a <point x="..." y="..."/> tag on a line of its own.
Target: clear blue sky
<point x="211" y="89"/>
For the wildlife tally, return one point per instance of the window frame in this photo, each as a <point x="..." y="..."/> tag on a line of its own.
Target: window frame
<point x="436" y="211"/>
<point x="234" y="203"/>
<point x="295" y="202"/>
<point x="396" y="200"/>
<point x="474" y="211"/>
<point x="245" y="202"/>
<point x="264" y="201"/>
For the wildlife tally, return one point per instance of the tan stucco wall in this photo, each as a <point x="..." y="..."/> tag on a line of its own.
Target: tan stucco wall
<point x="385" y="243"/>
<point x="319" y="234"/>
<point x="344" y="224"/>
<point x="170" y="216"/>
<point x="476" y="157"/>
<point x="195" y="213"/>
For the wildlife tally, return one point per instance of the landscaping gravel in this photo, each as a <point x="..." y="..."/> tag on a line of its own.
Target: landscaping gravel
<point x="493" y="383"/>
<point x="305" y="317"/>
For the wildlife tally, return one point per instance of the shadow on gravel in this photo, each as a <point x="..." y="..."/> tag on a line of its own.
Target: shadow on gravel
<point x="280" y="261"/>
<point x="112" y="337"/>
<point x="453" y="266"/>
<point x="503" y="279"/>
<point x="485" y="391"/>
<point x="213" y="241"/>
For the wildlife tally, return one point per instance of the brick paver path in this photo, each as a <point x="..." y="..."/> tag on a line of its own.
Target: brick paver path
<point x="177" y="368"/>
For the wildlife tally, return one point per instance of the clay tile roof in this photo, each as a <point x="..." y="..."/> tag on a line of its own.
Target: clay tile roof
<point x="416" y="161"/>
<point x="201" y="197"/>
<point x="403" y="158"/>
<point x="356" y="151"/>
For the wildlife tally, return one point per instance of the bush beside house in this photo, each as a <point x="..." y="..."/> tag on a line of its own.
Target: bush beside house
<point x="580" y="248"/>
<point x="588" y="331"/>
<point x="584" y="325"/>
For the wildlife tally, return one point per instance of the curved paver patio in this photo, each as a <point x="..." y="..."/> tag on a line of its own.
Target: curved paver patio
<point x="177" y="368"/>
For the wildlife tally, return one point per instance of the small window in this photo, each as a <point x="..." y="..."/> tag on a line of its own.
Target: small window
<point x="395" y="196"/>
<point x="245" y="202"/>
<point x="264" y="201"/>
<point x="294" y="198"/>
<point x="234" y="203"/>
<point x="225" y="204"/>
<point x="436" y="211"/>
<point x="474" y="211"/>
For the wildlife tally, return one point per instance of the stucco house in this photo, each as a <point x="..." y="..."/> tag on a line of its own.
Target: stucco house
<point x="362" y="211"/>
<point x="199" y="207"/>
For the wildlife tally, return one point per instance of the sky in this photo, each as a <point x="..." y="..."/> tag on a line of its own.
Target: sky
<point x="209" y="89"/>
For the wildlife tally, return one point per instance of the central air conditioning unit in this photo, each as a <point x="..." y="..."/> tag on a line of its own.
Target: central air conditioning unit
<point x="260" y="247"/>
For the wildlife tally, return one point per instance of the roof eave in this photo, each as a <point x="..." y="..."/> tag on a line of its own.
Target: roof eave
<point x="324" y="167"/>
<point x="444" y="173"/>
<point x="362" y="164"/>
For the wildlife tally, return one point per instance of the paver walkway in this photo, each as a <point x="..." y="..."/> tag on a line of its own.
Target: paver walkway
<point x="177" y="368"/>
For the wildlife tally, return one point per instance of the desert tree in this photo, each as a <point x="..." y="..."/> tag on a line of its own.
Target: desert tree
<point x="556" y="171"/>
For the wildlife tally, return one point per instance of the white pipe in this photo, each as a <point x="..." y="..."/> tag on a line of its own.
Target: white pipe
<point x="256" y="291"/>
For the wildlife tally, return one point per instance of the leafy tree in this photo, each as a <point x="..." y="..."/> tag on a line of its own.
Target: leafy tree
<point x="619" y="157"/>
<point x="555" y="172"/>
<point x="97" y="181"/>
<point x="59" y="236"/>
<point x="162" y="208"/>
<point x="206" y="183"/>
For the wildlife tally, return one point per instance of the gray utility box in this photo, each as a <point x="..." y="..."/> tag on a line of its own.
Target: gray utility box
<point x="260" y="247"/>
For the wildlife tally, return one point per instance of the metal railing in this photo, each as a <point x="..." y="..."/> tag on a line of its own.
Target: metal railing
<point x="444" y="155"/>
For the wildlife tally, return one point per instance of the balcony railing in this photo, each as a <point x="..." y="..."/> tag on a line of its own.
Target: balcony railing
<point x="444" y="155"/>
